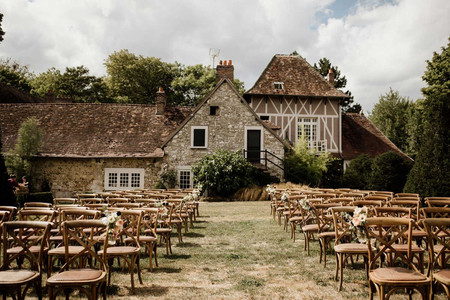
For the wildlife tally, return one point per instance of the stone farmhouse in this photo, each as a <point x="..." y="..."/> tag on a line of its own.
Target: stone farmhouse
<point x="121" y="146"/>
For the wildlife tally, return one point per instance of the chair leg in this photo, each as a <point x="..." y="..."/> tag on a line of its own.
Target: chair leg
<point x="341" y="269"/>
<point x="132" y="261"/>
<point x="337" y="267"/>
<point x="138" y="263"/>
<point x="155" y="248"/>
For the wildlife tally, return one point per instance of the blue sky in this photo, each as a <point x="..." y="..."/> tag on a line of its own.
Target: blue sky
<point x="377" y="44"/>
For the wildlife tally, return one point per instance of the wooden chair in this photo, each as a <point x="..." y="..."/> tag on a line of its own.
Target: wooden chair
<point x="65" y="201"/>
<point x="148" y="236"/>
<point x="407" y="195"/>
<point x="90" y="281"/>
<point x="59" y="252"/>
<point x="325" y="233"/>
<point x="437" y="202"/>
<point x="342" y="201"/>
<point x="12" y="211"/>
<point x="382" y="233"/>
<point x="17" y="234"/>
<point x="128" y="248"/>
<point x="438" y="230"/>
<point x="164" y="229"/>
<point x="85" y="201"/>
<point x="37" y="204"/>
<point x="344" y="248"/>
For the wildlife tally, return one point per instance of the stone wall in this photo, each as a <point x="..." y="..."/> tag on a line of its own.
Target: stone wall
<point x="226" y="130"/>
<point x="68" y="175"/>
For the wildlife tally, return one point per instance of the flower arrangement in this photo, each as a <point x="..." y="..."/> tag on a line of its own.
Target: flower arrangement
<point x="271" y="190"/>
<point x="357" y="221"/>
<point x="285" y="197"/>
<point x="304" y="204"/>
<point x="114" y="224"/>
<point x="197" y="192"/>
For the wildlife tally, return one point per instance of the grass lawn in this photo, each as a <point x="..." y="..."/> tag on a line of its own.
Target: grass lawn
<point x="237" y="251"/>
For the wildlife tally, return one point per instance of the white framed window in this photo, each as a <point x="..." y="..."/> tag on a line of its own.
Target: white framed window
<point x="307" y="128"/>
<point x="199" y="136"/>
<point x="185" y="178"/>
<point x="124" y="178"/>
<point x="278" y="85"/>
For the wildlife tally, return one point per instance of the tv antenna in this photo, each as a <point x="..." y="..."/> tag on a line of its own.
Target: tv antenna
<point x="214" y="53"/>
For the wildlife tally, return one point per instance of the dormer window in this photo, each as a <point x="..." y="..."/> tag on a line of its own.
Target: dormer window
<point x="213" y="110"/>
<point x="278" y="85"/>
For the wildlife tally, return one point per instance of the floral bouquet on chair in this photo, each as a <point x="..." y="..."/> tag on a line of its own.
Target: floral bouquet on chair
<point x="114" y="224"/>
<point x="304" y="204"/>
<point x="285" y="198"/>
<point x="357" y="221"/>
<point x="271" y="190"/>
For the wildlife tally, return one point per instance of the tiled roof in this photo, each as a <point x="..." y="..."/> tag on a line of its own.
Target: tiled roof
<point x="94" y="130"/>
<point x="299" y="78"/>
<point x="361" y="136"/>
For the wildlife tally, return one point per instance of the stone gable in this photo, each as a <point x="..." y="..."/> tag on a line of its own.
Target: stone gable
<point x="226" y="129"/>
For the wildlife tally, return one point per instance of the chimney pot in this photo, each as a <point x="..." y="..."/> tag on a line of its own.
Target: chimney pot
<point x="330" y="77"/>
<point x="225" y="70"/>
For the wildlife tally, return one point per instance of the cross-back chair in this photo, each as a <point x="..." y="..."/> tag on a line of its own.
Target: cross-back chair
<point x="17" y="234"/>
<point x="325" y="234"/>
<point x="59" y="252"/>
<point x="387" y="277"/>
<point x="344" y="247"/>
<point x="438" y="230"/>
<point x="148" y="236"/>
<point x="90" y="281"/>
<point x="128" y="252"/>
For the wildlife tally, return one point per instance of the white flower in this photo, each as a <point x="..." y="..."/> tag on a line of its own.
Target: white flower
<point x="104" y="220"/>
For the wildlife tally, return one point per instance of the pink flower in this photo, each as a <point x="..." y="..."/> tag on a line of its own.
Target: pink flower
<point x="356" y="221"/>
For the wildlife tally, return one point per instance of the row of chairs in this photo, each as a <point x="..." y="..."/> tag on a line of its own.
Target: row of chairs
<point x="142" y="226"/>
<point x="320" y="220"/>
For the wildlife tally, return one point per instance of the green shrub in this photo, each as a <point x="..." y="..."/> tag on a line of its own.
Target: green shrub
<point x="333" y="177"/>
<point x="41" y="197"/>
<point x="389" y="172"/>
<point x="304" y="165"/>
<point x="223" y="172"/>
<point x="357" y="175"/>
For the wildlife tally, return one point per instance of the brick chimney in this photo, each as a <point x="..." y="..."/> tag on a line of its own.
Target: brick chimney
<point x="161" y="100"/>
<point x="330" y="77"/>
<point x="225" y="70"/>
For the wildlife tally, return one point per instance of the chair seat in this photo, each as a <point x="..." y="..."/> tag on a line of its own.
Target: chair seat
<point x="76" y="276"/>
<point x="418" y="233"/>
<point x="120" y="250"/>
<point x="16" y="276"/>
<point x="73" y="250"/>
<point x="404" y="248"/>
<point x="394" y="274"/>
<point x="438" y="248"/>
<point x="163" y="230"/>
<point x="33" y="249"/>
<point x="327" y="234"/>
<point x="351" y="248"/>
<point x="144" y="238"/>
<point x="310" y="227"/>
<point x="296" y="219"/>
<point x="442" y="276"/>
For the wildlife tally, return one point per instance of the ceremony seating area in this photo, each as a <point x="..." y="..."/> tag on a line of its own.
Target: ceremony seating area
<point x="78" y="242"/>
<point x="402" y="239"/>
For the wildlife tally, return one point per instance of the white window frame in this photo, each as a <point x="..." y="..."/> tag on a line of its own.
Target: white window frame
<point x="316" y="122"/>
<point x="185" y="169"/>
<point x="278" y="85"/>
<point x="206" y="136"/>
<point x="128" y="171"/>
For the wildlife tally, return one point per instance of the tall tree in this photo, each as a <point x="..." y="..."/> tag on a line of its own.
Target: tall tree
<point x="14" y="74"/>
<point x="430" y="174"/>
<point x="75" y="83"/>
<point x="323" y="67"/>
<point x="390" y="115"/>
<point x="2" y="33"/>
<point x="136" y="79"/>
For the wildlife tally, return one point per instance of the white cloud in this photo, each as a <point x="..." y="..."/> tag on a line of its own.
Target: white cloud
<point x="377" y="46"/>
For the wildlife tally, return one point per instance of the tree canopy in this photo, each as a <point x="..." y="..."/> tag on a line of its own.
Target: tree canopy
<point x="15" y="75"/>
<point x="75" y="84"/>
<point x="429" y="176"/>
<point x="2" y="33"/>
<point x="323" y="67"/>
<point x="390" y="116"/>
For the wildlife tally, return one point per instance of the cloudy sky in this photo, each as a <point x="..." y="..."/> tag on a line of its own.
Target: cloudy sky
<point x="376" y="44"/>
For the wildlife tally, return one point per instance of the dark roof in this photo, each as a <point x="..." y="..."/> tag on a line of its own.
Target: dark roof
<point x="298" y="76"/>
<point x="94" y="130"/>
<point x="361" y="136"/>
<point x="9" y="94"/>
